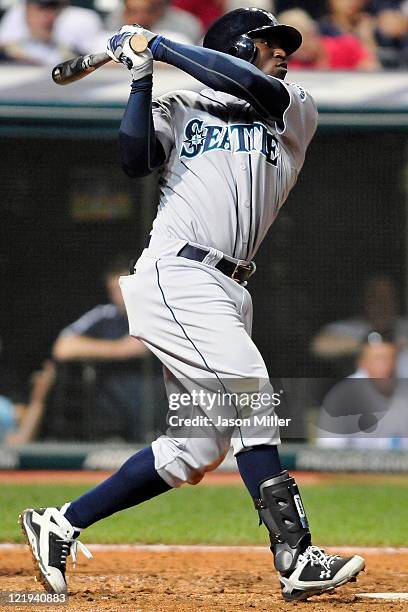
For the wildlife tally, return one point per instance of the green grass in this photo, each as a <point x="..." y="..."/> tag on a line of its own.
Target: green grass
<point x="343" y="514"/>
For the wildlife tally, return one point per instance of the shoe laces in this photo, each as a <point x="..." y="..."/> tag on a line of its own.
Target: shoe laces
<point x="317" y="556"/>
<point x="71" y="546"/>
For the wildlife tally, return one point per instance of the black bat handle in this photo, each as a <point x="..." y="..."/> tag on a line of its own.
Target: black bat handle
<point x="78" y="67"/>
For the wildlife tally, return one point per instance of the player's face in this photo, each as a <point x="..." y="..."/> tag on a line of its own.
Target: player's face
<point x="271" y="58"/>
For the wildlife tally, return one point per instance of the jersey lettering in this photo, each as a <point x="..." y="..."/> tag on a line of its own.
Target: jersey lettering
<point x="203" y="138"/>
<point x="211" y="140"/>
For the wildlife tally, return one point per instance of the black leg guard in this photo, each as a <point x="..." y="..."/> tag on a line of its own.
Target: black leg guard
<point x="281" y="510"/>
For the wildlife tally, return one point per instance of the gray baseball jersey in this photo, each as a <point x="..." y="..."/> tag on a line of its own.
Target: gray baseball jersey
<point x="228" y="170"/>
<point x="227" y="173"/>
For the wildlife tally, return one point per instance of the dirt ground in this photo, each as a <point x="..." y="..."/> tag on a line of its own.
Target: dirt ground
<point x="218" y="580"/>
<point x="180" y="581"/>
<point x="213" y="478"/>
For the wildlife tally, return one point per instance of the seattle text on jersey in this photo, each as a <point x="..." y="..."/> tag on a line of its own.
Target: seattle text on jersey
<point x="201" y="138"/>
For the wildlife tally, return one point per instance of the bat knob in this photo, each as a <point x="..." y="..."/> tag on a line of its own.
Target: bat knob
<point x="56" y="75"/>
<point x="138" y="43"/>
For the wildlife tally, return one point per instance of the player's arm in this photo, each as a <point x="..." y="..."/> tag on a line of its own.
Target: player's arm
<point x="140" y="149"/>
<point x="226" y="73"/>
<point x="217" y="70"/>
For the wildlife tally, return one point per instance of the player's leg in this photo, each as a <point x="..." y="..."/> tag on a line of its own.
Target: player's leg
<point x="218" y="341"/>
<point x="52" y="532"/>
<point x="304" y="569"/>
<point x="198" y="333"/>
<point x="201" y="339"/>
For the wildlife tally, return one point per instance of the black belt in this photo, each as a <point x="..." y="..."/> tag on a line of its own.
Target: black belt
<point x="239" y="272"/>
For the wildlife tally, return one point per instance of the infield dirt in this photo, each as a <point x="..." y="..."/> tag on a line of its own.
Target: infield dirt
<point x="195" y="580"/>
<point x="143" y="580"/>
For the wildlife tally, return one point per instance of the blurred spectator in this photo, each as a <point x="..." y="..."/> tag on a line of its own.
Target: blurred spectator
<point x="391" y="34"/>
<point x="103" y="332"/>
<point x="377" y="359"/>
<point x="158" y="16"/>
<point x="349" y="17"/>
<point x="112" y="374"/>
<point x="315" y="8"/>
<point x="206" y="12"/>
<point x="45" y="32"/>
<point x="338" y="342"/>
<point x="370" y="408"/>
<point x="343" y="52"/>
<point x="20" y="423"/>
<point x="380" y="25"/>
<point x="209" y="11"/>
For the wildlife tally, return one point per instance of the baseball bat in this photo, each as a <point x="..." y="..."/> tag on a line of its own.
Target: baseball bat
<point x="79" y="67"/>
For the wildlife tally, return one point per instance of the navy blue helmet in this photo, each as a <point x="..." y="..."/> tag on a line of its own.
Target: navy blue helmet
<point x="233" y="33"/>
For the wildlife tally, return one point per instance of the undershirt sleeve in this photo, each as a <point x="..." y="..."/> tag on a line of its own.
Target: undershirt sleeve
<point x="222" y="72"/>
<point x="140" y="150"/>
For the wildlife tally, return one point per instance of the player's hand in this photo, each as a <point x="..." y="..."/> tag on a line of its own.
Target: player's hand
<point x="137" y="29"/>
<point x="120" y="50"/>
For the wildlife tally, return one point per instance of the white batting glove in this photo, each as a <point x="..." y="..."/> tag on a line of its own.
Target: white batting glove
<point x="142" y="63"/>
<point x="120" y="50"/>
<point x="137" y="29"/>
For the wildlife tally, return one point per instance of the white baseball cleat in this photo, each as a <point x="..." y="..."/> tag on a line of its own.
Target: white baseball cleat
<point x="51" y="538"/>
<point x="316" y="572"/>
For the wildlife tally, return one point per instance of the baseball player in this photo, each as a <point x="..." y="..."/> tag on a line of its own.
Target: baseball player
<point x="228" y="157"/>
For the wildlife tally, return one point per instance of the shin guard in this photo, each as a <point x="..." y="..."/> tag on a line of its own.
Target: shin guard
<point x="281" y="510"/>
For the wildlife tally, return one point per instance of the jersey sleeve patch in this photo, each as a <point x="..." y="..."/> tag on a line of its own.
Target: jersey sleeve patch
<point x="300" y="91"/>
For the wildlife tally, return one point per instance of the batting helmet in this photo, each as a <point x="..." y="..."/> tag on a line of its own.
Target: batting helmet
<point x="233" y="33"/>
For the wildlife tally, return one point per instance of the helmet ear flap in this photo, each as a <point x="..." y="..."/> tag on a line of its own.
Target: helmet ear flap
<point x="244" y="48"/>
